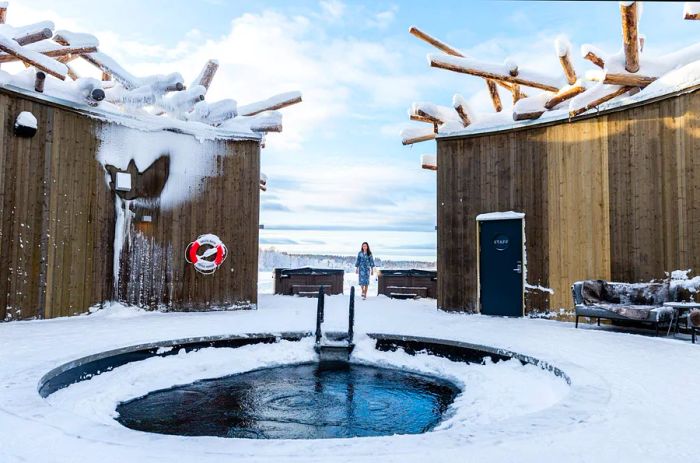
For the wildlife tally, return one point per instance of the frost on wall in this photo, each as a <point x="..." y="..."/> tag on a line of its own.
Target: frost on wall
<point x="190" y="163"/>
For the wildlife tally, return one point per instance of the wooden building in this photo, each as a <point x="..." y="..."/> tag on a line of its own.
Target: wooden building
<point x="592" y="175"/>
<point x="123" y="188"/>
<point x="612" y="196"/>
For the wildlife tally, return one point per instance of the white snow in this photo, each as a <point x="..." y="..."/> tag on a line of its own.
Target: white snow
<point x="500" y="216"/>
<point x="428" y="159"/>
<point x="26" y="119"/>
<point x="78" y="39"/>
<point x="532" y="104"/>
<point x="562" y="45"/>
<point x="441" y="113"/>
<point x="591" y="94"/>
<point x="626" y="401"/>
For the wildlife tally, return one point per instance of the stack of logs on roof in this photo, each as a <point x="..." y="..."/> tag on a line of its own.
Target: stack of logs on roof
<point x="52" y="53"/>
<point x="553" y="90"/>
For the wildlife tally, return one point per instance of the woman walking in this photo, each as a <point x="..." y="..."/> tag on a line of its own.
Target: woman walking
<point x="364" y="267"/>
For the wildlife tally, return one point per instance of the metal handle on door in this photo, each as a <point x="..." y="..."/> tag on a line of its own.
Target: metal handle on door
<point x="518" y="268"/>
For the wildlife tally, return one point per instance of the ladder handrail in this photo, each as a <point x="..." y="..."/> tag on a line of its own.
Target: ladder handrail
<point x="351" y="315"/>
<point x="320" y="309"/>
<point x="319" y="314"/>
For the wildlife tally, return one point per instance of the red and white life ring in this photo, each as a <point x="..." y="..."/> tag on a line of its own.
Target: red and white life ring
<point x="201" y="262"/>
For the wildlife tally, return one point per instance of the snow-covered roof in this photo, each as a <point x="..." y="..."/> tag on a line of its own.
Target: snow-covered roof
<point x="628" y="77"/>
<point x="156" y="102"/>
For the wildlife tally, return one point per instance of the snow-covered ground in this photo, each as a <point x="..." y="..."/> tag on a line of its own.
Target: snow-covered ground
<point x="630" y="397"/>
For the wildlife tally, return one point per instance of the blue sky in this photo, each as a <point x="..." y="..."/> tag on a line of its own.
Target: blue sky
<point x="338" y="174"/>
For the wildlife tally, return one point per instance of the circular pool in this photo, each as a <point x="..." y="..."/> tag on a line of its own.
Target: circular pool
<point x="303" y="401"/>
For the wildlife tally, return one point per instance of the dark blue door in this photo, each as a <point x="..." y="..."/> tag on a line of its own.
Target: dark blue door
<point x="501" y="267"/>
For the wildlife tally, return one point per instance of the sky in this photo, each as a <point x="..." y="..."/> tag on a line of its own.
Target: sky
<point x="338" y="174"/>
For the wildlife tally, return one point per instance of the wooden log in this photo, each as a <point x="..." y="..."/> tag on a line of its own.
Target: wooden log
<point x="527" y="116"/>
<point x="207" y="75"/>
<point x="437" y="62"/>
<point x="413" y="30"/>
<point x="71" y="73"/>
<point x="563" y="95"/>
<point x="462" y="112"/>
<point x="411" y="137"/>
<point x="106" y="77"/>
<point x="429" y="167"/>
<point x="3" y="13"/>
<point x="39" y="81"/>
<point x="630" y="80"/>
<point x="601" y="100"/>
<point x="595" y="59"/>
<point x="495" y="97"/>
<point x="568" y="68"/>
<point x="35" y="36"/>
<point x="415" y="117"/>
<point x="630" y="40"/>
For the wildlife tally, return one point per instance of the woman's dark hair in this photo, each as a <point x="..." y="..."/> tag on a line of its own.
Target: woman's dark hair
<point x="369" y="251"/>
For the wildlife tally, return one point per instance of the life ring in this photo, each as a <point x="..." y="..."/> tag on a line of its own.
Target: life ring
<point x="200" y="262"/>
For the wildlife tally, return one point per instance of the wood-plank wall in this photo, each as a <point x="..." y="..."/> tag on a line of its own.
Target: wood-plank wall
<point x="154" y="271"/>
<point x="57" y="224"/>
<point x="612" y="197"/>
<point x="56" y="214"/>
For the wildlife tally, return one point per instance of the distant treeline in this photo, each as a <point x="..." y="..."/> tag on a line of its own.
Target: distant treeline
<point x="269" y="259"/>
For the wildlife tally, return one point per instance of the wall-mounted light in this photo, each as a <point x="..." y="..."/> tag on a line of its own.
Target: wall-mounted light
<point x="122" y="181"/>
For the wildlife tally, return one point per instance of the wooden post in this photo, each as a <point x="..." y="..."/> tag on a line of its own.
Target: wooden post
<point x="495" y="97"/>
<point x="517" y="94"/>
<point x="629" y="13"/>
<point x="207" y="75"/>
<point x="3" y="13"/>
<point x="563" y="51"/>
<point x="39" y="81"/>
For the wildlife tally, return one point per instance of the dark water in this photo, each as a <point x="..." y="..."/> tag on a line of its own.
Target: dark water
<point x="296" y="402"/>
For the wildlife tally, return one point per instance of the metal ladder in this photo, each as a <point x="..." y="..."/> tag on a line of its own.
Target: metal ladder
<point x="334" y="347"/>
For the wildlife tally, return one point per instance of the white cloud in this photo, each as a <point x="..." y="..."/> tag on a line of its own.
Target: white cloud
<point x="332" y="9"/>
<point x="383" y="19"/>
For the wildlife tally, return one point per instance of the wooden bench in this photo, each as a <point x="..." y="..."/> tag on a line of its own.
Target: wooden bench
<point x="308" y="290"/>
<point x="407" y="292"/>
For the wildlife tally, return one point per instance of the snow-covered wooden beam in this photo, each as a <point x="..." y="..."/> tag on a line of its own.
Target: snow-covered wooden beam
<point x="600" y="96"/>
<point x="415" y="117"/>
<point x="630" y="40"/>
<point x="593" y="54"/>
<point x="269" y="121"/>
<point x="630" y="80"/>
<point x="32" y="58"/>
<point x="273" y="103"/>
<point x="429" y="162"/>
<point x="462" y="109"/>
<point x="492" y="71"/>
<point x="39" y="81"/>
<point x="263" y="182"/>
<point x="563" y="48"/>
<point x="69" y="53"/>
<point x="691" y="11"/>
<point x="207" y="74"/>
<point x="566" y="93"/>
<point x="71" y="72"/>
<point x="530" y="108"/>
<point x="416" y="135"/>
<point x="214" y="113"/>
<point x="34" y="36"/>
<point x="106" y="64"/>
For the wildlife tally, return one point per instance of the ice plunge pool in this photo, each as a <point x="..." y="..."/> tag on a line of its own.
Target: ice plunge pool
<point x="268" y="386"/>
